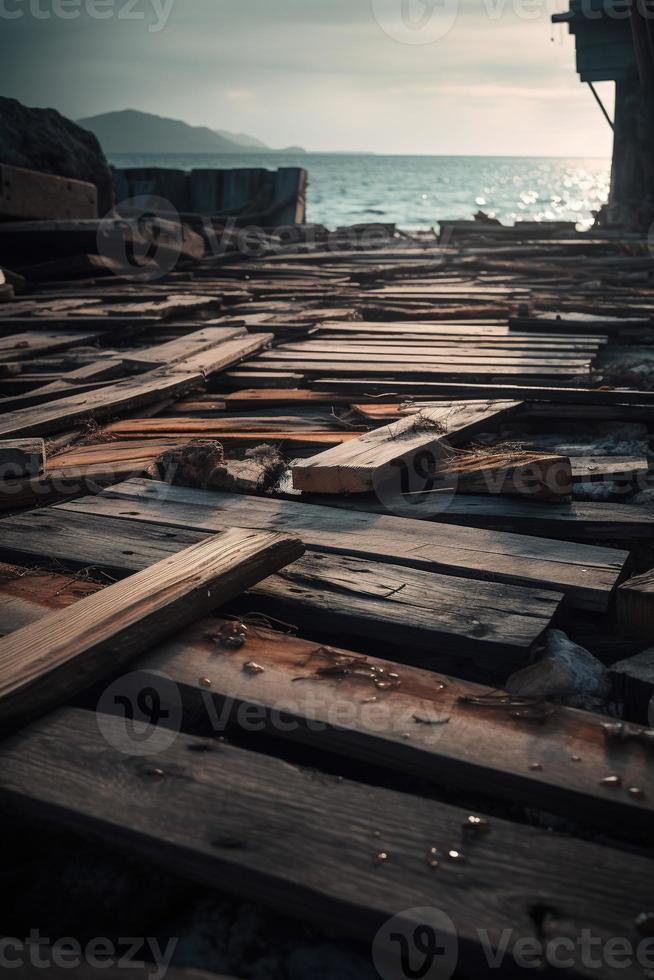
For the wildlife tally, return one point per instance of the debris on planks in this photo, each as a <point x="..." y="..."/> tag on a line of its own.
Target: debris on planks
<point x="45" y="663"/>
<point x="203" y="465"/>
<point x="523" y="474"/>
<point x="356" y="466"/>
<point x="567" y="673"/>
<point x="21" y="457"/>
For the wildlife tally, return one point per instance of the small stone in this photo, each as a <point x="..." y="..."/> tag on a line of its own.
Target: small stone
<point x="205" y="682"/>
<point x="636" y="792"/>
<point x="156" y="773"/>
<point x="434" y="857"/>
<point x="455" y="856"/>
<point x="536" y="767"/>
<point x="611" y="781"/>
<point x="576" y="758"/>
<point x="381" y="857"/>
<point x="251" y="668"/>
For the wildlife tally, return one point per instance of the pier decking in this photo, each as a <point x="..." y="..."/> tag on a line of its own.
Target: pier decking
<point x="341" y="491"/>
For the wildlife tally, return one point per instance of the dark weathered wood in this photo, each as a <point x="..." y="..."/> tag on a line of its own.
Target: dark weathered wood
<point x="531" y="475"/>
<point x="31" y="194"/>
<point x="585" y="573"/>
<point x="353" y="468"/>
<point x="312" y="850"/>
<point x="183" y="347"/>
<point x="633" y="686"/>
<point x="114" y="399"/>
<point x="431" y="389"/>
<point x="427" y="611"/>
<point x="45" y="663"/>
<point x="21" y="457"/>
<point x="423" y="611"/>
<point x="421" y="727"/>
<point x="635" y="607"/>
<point x="567" y="521"/>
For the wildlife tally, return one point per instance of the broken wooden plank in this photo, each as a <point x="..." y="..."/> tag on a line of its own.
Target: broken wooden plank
<point x="294" y="856"/>
<point x="21" y="457"/>
<point x="21" y="346"/>
<point x="47" y="662"/>
<point x="533" y="475"/>
<point x="410" y="606"/>
<point x="183" y="347"/>
<point x="423" y="611"/>
<point x="587" y="574"/>
<point x="120" y="397"/>
<point x="355" y="467"/>
<point x="438" y="711"/>
<point x="30" y="194"/>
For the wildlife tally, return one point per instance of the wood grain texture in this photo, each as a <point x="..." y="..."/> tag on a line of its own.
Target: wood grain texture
<point x="310" y="851"/>
<point x="420" y="728"/>
<point x="183" y="347"/>
<point x="47" y="662"/>
<point x="120" y="397"/>
<point x="354" y="467"/>
<point x="587" y="574"/>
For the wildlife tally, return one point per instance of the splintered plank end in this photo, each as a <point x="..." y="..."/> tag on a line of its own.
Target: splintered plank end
<point x="49" y="661"/>
<point x="356" y="466"/>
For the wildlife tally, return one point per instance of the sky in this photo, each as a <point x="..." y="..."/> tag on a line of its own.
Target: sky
<point x="386" y="76"/>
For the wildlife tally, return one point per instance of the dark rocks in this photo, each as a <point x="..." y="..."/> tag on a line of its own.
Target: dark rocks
<point x="43" y="139"/>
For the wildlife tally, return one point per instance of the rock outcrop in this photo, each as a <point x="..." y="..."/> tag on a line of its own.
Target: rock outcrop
<point x="43" y="139"/>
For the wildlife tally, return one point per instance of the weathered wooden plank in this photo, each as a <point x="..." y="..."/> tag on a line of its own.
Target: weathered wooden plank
<point x="123" y="396"/>
<point x="452" y="740"/>
<point x="294" y="855"/>
<point x="425" y="726"/>
<point x="226" y="355"/>
<point x="458" y="357"/>
<point x="46" y="662"/>
<point x="353" y="468"/>
<point x="21" y="457"/>
<point x="80" y="541"/>
<point x="585" y="573"/>
<point x="183" y="347"/>
<point x="421" y="369"/>
<point x="424" y="610"/>
<point x="355" y="387"/>
<point x="633" y="687"/>
<point x="415" y="610"/>
<point x="635" y="607"/>
<point x="21" y="346"/>
<point x="567" y="521"/>
<point x="32" y="194"/>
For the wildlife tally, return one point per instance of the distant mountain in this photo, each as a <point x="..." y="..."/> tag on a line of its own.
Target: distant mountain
<point x="130" y="131"/>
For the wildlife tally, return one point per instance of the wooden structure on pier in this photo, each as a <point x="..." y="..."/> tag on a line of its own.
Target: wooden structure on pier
<point x="615" y="42"/>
